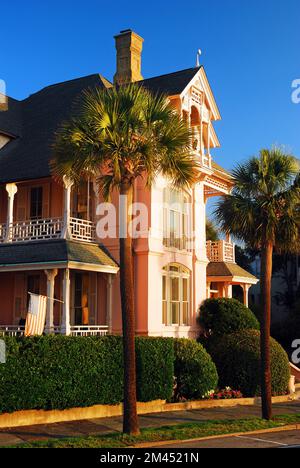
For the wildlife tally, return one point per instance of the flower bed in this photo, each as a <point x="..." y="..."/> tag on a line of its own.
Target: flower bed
<point x="225" y="394"/>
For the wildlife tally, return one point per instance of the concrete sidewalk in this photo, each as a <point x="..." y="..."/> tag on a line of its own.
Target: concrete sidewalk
<point x="92" y="427"/>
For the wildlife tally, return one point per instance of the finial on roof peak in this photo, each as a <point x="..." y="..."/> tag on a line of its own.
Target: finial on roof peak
<point x="199" y="53"/>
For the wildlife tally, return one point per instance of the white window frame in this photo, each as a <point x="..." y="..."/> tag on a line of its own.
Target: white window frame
<point x="182" y="273"/>
<point x="179" y="239"/>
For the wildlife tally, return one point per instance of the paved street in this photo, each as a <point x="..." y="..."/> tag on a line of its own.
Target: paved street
<point x="268" y="440"/>
<point x="106" y="425"/>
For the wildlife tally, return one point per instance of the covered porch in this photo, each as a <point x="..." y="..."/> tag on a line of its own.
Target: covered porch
<point x="77" y="279"/>
<point x="222" y="276"/>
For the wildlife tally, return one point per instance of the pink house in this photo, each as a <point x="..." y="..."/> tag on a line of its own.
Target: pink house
<point x="51" y="237"/>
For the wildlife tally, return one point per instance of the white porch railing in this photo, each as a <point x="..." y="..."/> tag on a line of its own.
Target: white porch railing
<point x="12" y="330"/>
<point x="82" y="229"/>
<point x="89" y="330"/>
<point x="78" y="330"/>
<point x="48" y="228"/>
<point x="38" y="229"/>
<point x="220" y="251"/>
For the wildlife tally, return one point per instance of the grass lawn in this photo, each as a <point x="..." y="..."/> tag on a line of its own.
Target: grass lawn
<point x="176" y="432"/>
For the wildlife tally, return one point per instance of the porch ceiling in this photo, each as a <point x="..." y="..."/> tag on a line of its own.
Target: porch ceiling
<point x="229" y="272"/>
<point x="56" y="254"/>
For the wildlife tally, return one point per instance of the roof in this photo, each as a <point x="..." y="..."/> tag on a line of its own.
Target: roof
<point x="11" y="119"/>
<point x="55" y="251"/>
<point x="171" y="83"/>
<point x="221" y="170"/>
<point x="230" y="270"/>
<point x="35" y="120"/>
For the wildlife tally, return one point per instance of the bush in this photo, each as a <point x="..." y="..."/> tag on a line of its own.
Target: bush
<point x="237" y="357"/>
<point x="220" y="317"/>
<point x="56" y="372"/>
<point x="195" y="372"/>
<point x="155" y="368"/>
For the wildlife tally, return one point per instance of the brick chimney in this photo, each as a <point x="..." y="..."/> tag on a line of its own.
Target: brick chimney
<point x="129" y="49"/>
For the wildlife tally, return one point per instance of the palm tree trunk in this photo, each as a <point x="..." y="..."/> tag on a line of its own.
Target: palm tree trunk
<point x="130" y="419"/>
<point x="265" y="334"/>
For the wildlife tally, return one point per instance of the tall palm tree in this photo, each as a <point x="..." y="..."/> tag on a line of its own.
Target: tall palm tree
<point x="262" y="211"/>
<point x="119" y="135"/>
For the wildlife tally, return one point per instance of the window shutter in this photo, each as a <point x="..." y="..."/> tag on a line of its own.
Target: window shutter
<point x="19" y="297"/>
<point x="22" y="204"/>
<point x="46" y="201"/>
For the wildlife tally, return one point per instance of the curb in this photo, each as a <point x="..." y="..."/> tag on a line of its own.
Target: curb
<point x="290" y="427"/>
<point x="34" y="417"/>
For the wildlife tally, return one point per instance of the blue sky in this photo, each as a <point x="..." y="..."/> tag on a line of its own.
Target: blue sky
<point x="250" y="53"/>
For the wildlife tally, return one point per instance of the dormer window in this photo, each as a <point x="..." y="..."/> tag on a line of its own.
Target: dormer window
<point x="4" y="139"/>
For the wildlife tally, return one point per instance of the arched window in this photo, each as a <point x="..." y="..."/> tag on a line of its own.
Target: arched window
<point x="175" y="295"/>
<point x="177" y="219"/>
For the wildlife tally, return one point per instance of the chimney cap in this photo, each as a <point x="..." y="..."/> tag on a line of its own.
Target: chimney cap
<point x="125" y="31"/>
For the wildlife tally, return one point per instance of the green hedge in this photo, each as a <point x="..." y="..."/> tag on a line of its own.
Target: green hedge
<point x="155" y="368"/>
<point x="56" y="372"/>
<point x="220" y="317"/>
<point x="237" y="357"/>
<point x="195" y="372"/>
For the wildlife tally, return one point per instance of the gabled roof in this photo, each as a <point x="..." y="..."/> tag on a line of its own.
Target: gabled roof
<point x="55" y="252"/>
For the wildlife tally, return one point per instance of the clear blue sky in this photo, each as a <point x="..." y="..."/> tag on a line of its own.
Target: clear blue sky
<point x="250" y="53"/>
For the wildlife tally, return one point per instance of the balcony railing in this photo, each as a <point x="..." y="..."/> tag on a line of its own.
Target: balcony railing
<point x="38" y="229"/>
<point x="82" y="229"/>
<point x="2" y="232"/>
<point x="48" y="228"/>
<point x="82" y="330"/>
<point x="220" y="251"/>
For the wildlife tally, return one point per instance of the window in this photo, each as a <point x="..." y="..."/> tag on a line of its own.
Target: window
<point x="82" y="201"/>
<point x="175" y="295"/>
<point x="176" y="219"/>
<point x="36" y="203"/>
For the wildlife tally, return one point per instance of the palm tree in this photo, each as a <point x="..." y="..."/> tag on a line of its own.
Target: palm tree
<point x="119" y="135"/>
<point x="262" y="211"/>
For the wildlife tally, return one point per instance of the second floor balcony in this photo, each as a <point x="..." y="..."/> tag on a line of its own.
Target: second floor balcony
<point x="48" y="228"/>
<point x="28" y="213"/>
<point x="220" y="251"/>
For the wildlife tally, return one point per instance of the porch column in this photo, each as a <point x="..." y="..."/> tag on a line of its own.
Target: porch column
<point x="11" y="191"/>
<point x="68" y="183"/>
<point x="228" y="290"/>
<point x="246" y="288"/>
<point x="51" y="274"/>
<point x="109" y="282"/>
<point x="65" y="325"/>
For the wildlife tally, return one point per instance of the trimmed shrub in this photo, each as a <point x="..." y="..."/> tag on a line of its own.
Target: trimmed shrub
<point x="56" y="372"/>
<point x="237" y="357"/>
<point x="220" y="317"/>
<point x="195" y="372"/>
<point x="155" y="368"/>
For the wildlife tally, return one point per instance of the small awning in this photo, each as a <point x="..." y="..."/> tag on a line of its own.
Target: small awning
<point x="229" y="272"/>
<point x="56" y="254"/>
